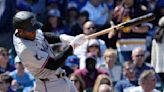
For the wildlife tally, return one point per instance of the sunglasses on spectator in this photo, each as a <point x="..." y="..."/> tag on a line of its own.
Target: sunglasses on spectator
<point x="142" y="55"/>
<point x="131" y="69"/>
<point x="91" y="28"/>
<point x="4" y="54"/>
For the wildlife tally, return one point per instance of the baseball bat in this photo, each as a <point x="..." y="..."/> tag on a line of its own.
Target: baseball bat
<point x="135" y="21"/>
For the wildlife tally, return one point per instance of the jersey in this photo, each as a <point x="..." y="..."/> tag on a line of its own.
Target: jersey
<point x="37" y="51"/>
<point x="35" y="55"/>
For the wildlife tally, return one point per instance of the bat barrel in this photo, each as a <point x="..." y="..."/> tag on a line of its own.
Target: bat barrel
<point x="135" y="21"/>
<point x="145" y="18"/>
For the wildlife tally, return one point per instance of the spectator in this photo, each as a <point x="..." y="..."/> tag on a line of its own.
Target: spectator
<point x="158" y="50"/>
<point x="25" y="80"/>
<point x="73" y="62"/>
<point x="5" y="83"/>
<point x="110" y="4"/>
<point x="89" y="28"/>
<point x="105" y="88"/>
<point x="93" y="49"/>
<point x="147" y="82"/>
<point x="78" y="82"/>
<point x="98" y="11"/>
<point x="55" y="23"/>
<point x="22" y="7"/>
<point x="111" y="65"/>
<point x="117" y="2"/>
<point x="103" y="83"/>
<point x="77" y="28"/>
<point x="57" y="4"/>
<point x="90" y="73"/>
<point x="80" y="3"/>
<point x="71" y="16"/>
<point x="52" y="4"/>
<point x="133" y="36"/>
<point x="138" y="56"/>
<point x="130" y="79"/>
<point x="5" y="65"/>
<point x="7" y="11"/>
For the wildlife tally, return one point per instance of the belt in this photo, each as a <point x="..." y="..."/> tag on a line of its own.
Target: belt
<point x="44" y="79"/>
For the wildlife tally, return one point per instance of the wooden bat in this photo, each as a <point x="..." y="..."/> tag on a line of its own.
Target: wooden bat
<point x="135" y="21"/>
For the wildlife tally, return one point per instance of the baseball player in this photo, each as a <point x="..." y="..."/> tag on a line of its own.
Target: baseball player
<point x="32" y="48"/>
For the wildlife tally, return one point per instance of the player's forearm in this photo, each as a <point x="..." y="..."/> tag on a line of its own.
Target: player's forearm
<point x="59" y="59"/>
<point x="51" y="37"/>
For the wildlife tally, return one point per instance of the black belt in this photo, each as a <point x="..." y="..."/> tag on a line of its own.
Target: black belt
<point x="44" y="79"/>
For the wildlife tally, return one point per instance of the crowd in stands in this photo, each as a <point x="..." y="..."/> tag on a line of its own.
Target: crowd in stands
<point x="126" y="60"/>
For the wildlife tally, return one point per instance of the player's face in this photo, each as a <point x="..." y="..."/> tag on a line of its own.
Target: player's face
<point x="31" y="35"/>
<point x="28" y="35"/>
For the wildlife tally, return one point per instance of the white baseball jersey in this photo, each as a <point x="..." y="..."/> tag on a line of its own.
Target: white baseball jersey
<point x="34" y="55"/>
<point x="37" y="51"/>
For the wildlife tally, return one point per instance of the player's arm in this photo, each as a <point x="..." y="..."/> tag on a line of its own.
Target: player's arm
<point x="59" y="59"/>
<point x="53" y="38"/>
<point x="61" y="52"/>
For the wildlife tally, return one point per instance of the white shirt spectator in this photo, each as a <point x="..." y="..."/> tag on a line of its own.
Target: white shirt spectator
<point x="98" y="15"/>
<point x="82" y="49"/>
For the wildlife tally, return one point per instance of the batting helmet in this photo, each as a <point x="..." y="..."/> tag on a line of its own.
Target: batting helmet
<point x="26" y="20"/>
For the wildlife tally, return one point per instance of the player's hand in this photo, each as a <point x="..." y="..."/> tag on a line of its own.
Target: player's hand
<point x="78" y="40"/>
<point x="60" y="72"/>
